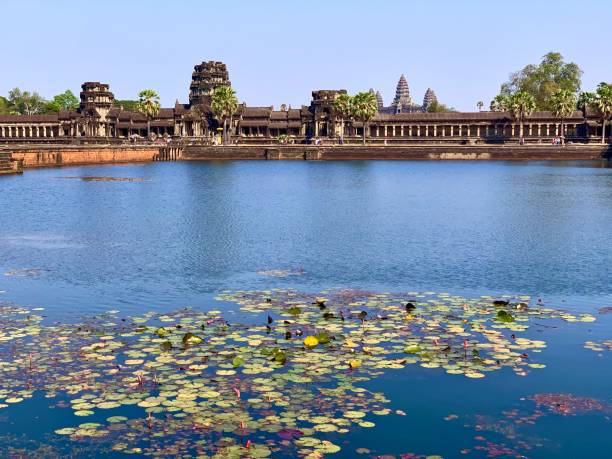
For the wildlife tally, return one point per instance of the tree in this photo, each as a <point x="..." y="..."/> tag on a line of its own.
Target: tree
<point x="586" y="100"/>
<point x="436" y="107"/>
<point x="4" y="106"/>
<point x="522" y="105"/>
<point x="604" y="105"/>
<point x="480" y="104"/>
<point x="25" y="103"/>
<point x="148" y="105"/>
<point x="365" y="107"/>
<point x="501" y="103"/>
<point x="128" y="105"/>
<point x="65" y="101"/>
<point x="563" y="103"/>
<point x="541" y="81"/>
<point x="223" y="105"/>
<point x="343" y="109"/>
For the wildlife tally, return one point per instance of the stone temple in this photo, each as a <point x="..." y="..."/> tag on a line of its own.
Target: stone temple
<point x="99" y="119"/>
<point x="402" y="102"/>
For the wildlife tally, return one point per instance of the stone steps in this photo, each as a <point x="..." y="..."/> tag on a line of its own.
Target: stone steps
<point x="6" y="166"/>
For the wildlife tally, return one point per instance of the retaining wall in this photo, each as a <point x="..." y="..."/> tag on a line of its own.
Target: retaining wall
<point x="46" y="155"/>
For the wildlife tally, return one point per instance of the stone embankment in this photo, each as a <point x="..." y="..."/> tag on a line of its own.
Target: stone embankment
<point x="67" y="155"/>
<point x="14" y="158"/>
<point x="409" y="152"/>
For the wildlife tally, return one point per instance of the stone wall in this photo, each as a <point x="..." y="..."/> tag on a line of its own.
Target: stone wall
<point x="46" y="156"/>
<point x="410" y="152"/>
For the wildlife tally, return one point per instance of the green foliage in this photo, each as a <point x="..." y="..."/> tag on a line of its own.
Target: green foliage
<point x="223" y="105"/>
<point x="504" y="316"/>
<point x="25" y="103"/>
<point x="4" y="106"/>
<point x="365" y="107"/>
<point x="128" y="105"/>
<point x="148" y="103"/>
<point x="562" y="103"/>
<point x="604" y="105"/>
<point x="501" y="103"/>
<point x="522" y="105"/>
<point x="586" y="100"/>
<point x="224" y="102"/>
<point x="541" y="81"/>
<point x="437" y="107"/>
<point x="343" y="106"/>
<point x="65" y="101"/>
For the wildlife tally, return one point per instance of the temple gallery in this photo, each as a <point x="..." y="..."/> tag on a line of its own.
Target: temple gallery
<point x="100" y="118"/>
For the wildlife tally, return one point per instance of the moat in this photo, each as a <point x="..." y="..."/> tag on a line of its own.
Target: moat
<point x="448" y="236"/>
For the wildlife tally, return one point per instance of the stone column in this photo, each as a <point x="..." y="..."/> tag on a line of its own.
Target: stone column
<point x="478" y="131"/>
<point x="419" y="130"/>
<point x="435" y="132"/>
<point x="44" y="131"/>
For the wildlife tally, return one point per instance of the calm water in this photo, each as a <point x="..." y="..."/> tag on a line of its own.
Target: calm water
<point x="190" y="230"/>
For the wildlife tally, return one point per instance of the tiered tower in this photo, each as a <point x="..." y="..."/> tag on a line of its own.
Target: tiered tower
<point x="430" y="97"/>
<point x="96" y="99"/>
<point x="379" y="99"/>
<point x="402" y="93"/>
<point x="205" y="78"/>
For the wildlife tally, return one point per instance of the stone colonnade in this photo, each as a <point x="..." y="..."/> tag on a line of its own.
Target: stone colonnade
<point x="440" y="130"/>
<point x="26" y="131"/>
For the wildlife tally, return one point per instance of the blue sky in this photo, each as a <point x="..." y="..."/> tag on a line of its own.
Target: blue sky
<point x="279" y="51"/>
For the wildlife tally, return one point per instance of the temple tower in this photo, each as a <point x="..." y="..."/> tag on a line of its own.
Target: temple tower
<point x="205" y="78"/>
<point x="96" y="102"/>
<point x="402" y="93"/>
<point x="379" y="99"/>
<point x="430" y="97"/>
<point x="96" y="99"/>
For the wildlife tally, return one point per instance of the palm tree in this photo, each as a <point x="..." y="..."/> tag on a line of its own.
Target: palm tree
<point x="343" y="108"/>
<point x="365" y="107"/>
<point x="563" y="102"/>
<point x="501" y="103"/>
<point x="148" y="105"/>
<point x="522" y="105"/>
<point x="585" y="100"/>
<point x="604" y="104"/>
<point x="224" y="104"/>
<point x="480" y="104"/>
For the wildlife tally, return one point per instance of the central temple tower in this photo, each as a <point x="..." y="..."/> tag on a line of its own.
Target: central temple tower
<point x="205" y="78"/>
<point x="402" y="98"/>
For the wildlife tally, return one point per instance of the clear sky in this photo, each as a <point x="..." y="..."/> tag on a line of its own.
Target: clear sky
<point x="279" y="51"/>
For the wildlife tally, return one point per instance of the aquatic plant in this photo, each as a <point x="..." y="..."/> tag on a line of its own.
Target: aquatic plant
<point x="190" y="382"/>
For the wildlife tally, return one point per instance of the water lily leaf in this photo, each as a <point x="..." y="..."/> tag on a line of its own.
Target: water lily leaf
<point x="190" y="339"/>
<point x="504" y="316"/>
<point x="323" y="337"/>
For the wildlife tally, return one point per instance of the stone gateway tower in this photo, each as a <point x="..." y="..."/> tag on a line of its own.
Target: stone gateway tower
<point x="205" y="78"/>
